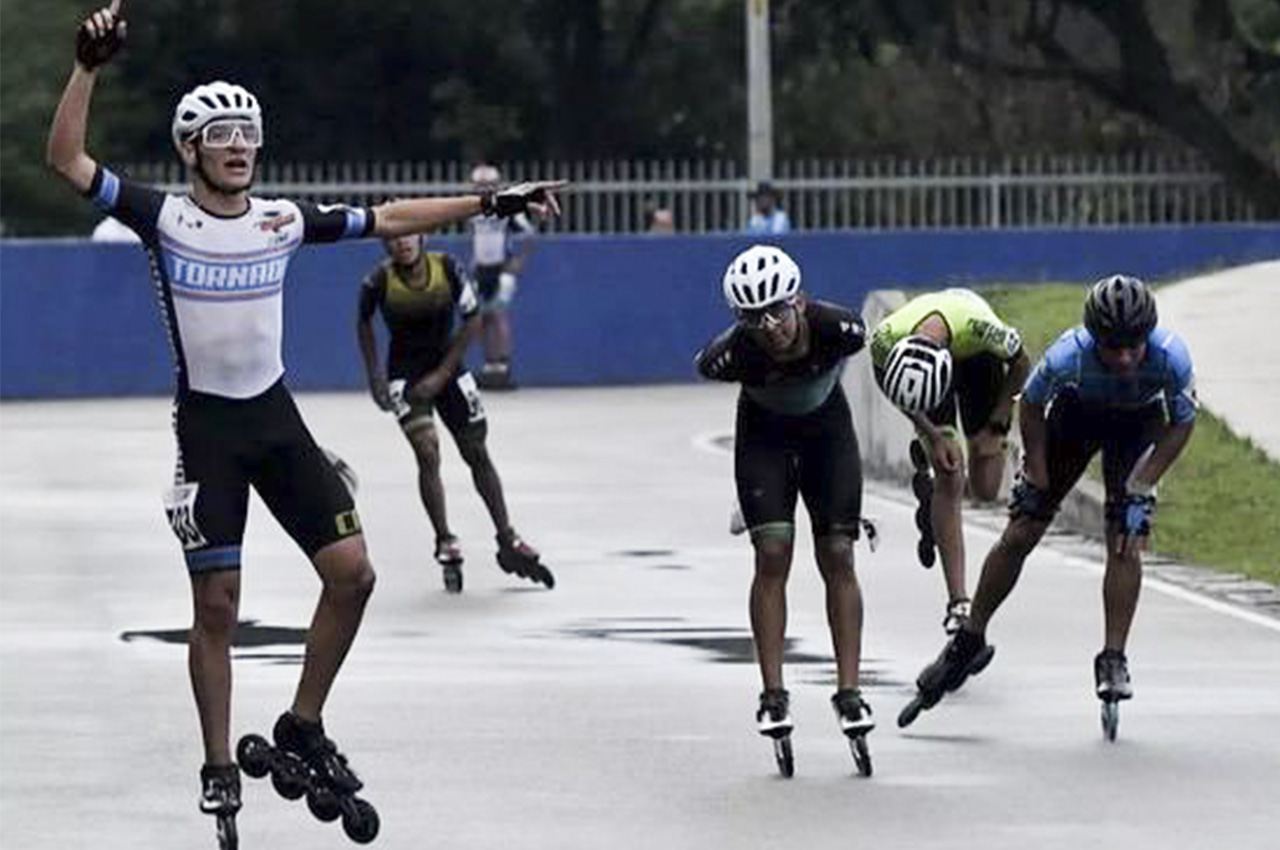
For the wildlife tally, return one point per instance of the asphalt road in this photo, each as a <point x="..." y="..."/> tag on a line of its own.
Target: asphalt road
<point x="615" y="711"/>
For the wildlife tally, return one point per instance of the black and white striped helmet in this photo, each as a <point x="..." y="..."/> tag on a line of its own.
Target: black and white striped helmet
<point x="760" y="276"/>
<point x="212" y="102"/>
<point x="1119" y="310"/>
<point x="917" y="374"/>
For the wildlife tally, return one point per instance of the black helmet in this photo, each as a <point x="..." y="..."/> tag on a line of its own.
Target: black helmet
<point x="1119" y="310"/>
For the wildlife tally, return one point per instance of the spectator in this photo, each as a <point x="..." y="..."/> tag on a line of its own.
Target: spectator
<point x="768" y="218"/>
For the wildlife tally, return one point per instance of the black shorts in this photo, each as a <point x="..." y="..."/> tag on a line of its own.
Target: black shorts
<point x="493" y="296"/>
<point x="815" y="455"/>
<point x="459" y="405"/>
<point x="975" y="389"/>
<point x="1076" y="433"/>
<point x="227" y="445"/>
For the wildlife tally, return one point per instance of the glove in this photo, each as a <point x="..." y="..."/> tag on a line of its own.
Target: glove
<point x="1139" y="512"/>
<point x="517" y="199"/>
<point x="96" y="43"/>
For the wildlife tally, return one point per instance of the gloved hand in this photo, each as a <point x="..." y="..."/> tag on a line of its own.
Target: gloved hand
<point x="1139" y="513"/>
<point x="538" y="196"/>
<point x="1026" y="499"/>
<point x="100" y="36"/>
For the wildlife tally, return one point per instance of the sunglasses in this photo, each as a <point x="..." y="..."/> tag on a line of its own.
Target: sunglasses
<point x="766" y="317"/>
<point x="222" y="134"/>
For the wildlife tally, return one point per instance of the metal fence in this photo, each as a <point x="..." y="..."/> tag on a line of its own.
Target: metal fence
<point x="713" y="196"/>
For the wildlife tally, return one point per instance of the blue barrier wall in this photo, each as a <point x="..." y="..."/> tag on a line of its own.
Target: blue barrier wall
<point x="80" y="318"/>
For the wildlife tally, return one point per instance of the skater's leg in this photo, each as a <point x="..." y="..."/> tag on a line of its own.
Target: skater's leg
<point x="948" y="530"/>
<point x="348" y="579"/>
<point x="1002" y="567"/>
<point x="215" y="599"/>
<point x="1121" y="585"/>
<point x="769" y="602"/>
<point x="426" y="449"/>
<point x="485" y="477"/>
<point x="844" y="605"/>
<point x="987" y="454"/>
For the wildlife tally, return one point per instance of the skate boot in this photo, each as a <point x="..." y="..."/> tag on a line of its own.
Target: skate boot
<point x="922" y="486"/>
<point x="220" y="797"/>
<point x="305" y="762"/>
<point x="331" y="783"/>
<point x="956" y="617"/>
<point x="966" y="654"/>
<point x="1111" y="673"/>
<point x="496" y="375"/>
<point x="773" y="720"/>
<point x="449" y="557"/>
<point x="855" y="722"/>
<point x="517" y="557"/>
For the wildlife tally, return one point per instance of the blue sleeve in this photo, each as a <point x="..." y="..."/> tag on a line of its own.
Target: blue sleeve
<point x="132" y="203"/>
<point x="333" y="222"/>
<point x="1048" y="375"/>
<point x="1181" y="379"/>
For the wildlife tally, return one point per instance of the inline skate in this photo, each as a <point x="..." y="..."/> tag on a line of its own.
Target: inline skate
<point x="305" y="762"/>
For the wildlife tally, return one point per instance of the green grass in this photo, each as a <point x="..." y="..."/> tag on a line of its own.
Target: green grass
<point x="1220" y="503"/>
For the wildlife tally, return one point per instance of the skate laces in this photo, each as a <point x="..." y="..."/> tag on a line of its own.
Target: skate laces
<point x="219" y="788"/>
<point x="957" y="615"/>
<point x="850" y="706"/>
<point x="775" y="706"/>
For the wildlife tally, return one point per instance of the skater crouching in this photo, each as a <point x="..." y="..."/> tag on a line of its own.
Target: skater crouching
<point x="794" y="437"/>
<point x="1118" y="385"/>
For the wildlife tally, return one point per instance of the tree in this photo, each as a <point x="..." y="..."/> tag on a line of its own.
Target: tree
<point x="1195" y="70"/>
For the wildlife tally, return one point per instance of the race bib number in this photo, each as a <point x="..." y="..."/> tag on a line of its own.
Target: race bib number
<point x="399" y="405"/>
<point x="475" y="409"/>
<point x="180" y="507"/>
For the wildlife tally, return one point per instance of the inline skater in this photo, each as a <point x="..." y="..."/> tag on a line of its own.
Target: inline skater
<point x="1120" y="385"/>
<point x="219" y="259"/>
<point x="794" y="437"/>
<point x="941" y="356"/>
<point x="498" y="254"/>
<point x="418" y="292"/>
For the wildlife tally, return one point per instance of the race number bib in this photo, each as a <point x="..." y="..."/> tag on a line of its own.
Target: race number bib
<point x="470" y="392"/>
<point x="180" y="507"/>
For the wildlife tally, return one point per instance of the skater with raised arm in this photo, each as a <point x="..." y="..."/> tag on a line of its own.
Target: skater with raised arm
<point x="794" y="438"/>
<point x="219" y="257"/>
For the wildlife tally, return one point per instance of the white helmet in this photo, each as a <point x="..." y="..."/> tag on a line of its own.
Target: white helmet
<point x="485" y="173"/>
<point x="760" y="276"/>
<point x="211" y="102"/>
<point x="917" y="375"/>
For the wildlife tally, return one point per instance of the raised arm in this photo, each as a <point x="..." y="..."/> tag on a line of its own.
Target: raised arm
<point x="97" y="40"/>
<point x="419" y="215"/>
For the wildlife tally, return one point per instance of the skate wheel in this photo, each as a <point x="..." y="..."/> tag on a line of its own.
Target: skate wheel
<point x="1110" y="720"/>
<point x="926" y="552"/>
<point x="228" y="839"/>
<point x="289" y="777"/>
<point x="861" y="755"/>
<point x="360" y="821"/>
<point x="544" y="575"/>
<point x="254" y="755"/>
<point x="784" y="756"/>
<point x="324" y="804"/>
<point x="453" y="579"/>
<point x="910" y="712"/>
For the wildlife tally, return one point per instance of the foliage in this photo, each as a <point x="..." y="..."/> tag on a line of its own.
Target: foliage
<point x="544" y="79"/>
